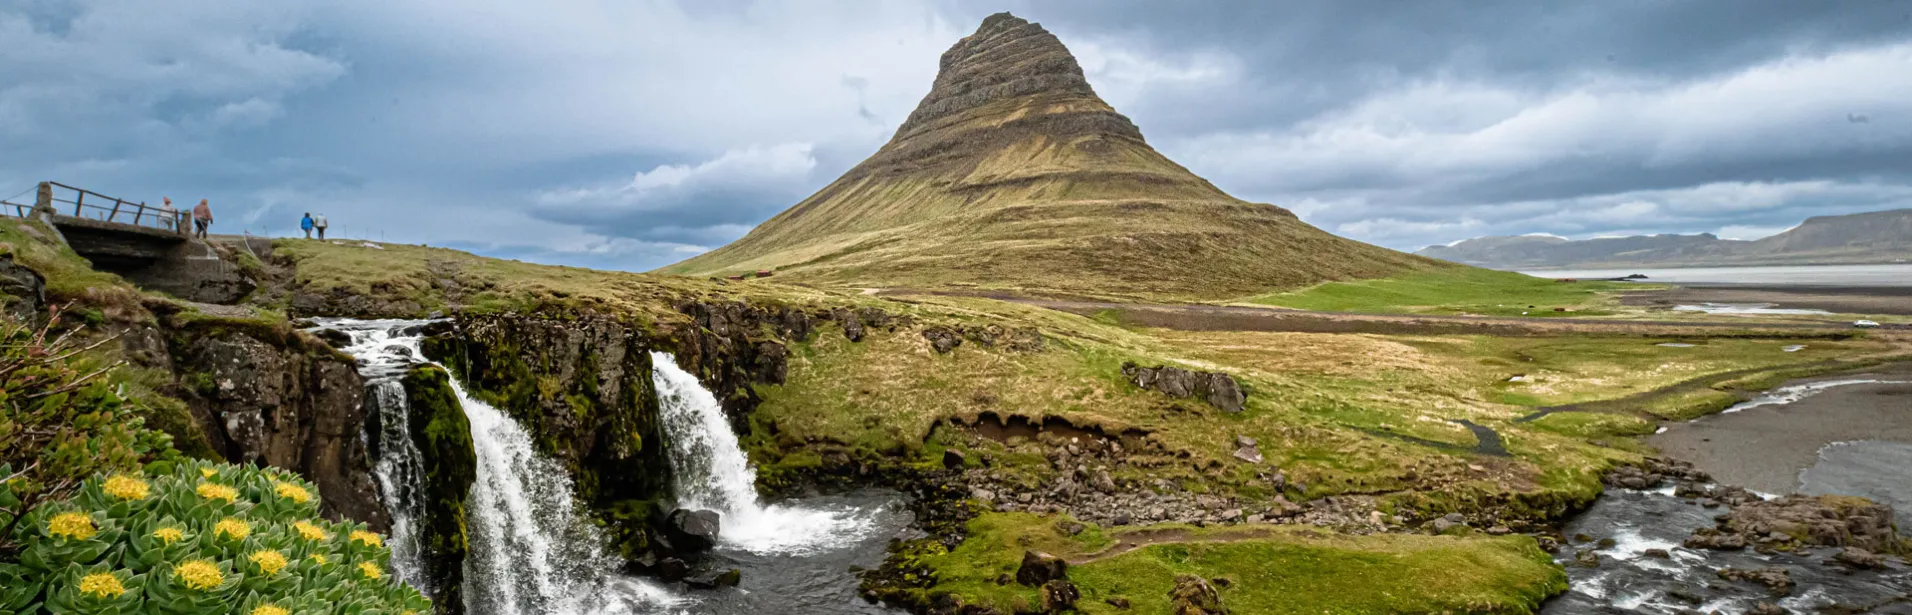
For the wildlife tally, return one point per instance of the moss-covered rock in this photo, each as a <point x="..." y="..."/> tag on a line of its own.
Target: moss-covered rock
<point x="443" y="435"/>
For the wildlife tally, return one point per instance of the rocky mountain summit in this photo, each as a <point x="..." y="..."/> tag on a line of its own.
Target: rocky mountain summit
<point x="1013" y="174"/>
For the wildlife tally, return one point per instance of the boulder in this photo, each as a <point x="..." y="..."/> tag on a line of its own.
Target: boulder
<point x="715" y="579"/>
<point x="1776" y="579"/>
<point x="1038" y="568"/>
<point x="943" y="339"/>
<point x="672" y="570"/>
<point x="1827" y="521"/>
<point x="1217" y="389"/>
<point x="953" y="458"/>
<point x="333" y="337"/>
<point x="692" y="531"/>
<point x="1059" y="595"/>
<point x="1194" y="596"/>
<point x="1855" y="557"/>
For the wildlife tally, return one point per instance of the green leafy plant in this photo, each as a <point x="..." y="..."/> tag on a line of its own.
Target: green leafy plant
<point x="60" y="420"/>
<point x="204" y="538"/>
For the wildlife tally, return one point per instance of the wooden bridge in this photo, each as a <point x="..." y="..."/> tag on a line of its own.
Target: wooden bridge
<point x="112" y="232"/>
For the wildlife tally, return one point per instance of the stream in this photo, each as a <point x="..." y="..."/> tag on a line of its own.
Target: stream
<point x="533" y="551"/>
<point x="1752" y="444"/>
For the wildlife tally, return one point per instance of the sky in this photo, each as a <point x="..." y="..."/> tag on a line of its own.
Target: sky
<point x="633" y="134"/>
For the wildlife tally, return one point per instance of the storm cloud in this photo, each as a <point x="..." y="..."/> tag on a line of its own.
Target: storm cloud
<point x="633" y="134"/>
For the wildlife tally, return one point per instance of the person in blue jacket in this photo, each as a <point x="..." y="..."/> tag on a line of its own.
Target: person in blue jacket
<point x="305" y="224"/>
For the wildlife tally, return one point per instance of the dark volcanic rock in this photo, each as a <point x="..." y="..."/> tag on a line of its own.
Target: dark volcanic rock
<point x="1217" y="389"/>
<point x="1059" y="595"/>
<point x="715" y="579"/>
<point x="1776" y="579"/>
<point x="943" y="339"/>
<point x="281" y="398"/>
<point x="692" y="531"/>
<point x="1038" y="568"/>
<point x="23" y="290"/>
<point x="1830" y="521"/>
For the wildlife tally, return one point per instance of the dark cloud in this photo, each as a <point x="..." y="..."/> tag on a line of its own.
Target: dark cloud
<point x="631" y="135"/>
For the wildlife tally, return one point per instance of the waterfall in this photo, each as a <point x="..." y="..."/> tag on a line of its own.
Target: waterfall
<point x="399" y="471"/>
<point x="532" y="551"/>
<point x="712" y="473"/>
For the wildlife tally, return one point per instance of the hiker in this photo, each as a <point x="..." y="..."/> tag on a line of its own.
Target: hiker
<point x="319" y="223"/>
<point x="172" y="215"/>
<point x="305" y="224"/>
<point x="202" y="218"/>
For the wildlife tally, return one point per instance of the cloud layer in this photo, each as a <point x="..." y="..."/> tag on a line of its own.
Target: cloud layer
<point x="632" y="134"/>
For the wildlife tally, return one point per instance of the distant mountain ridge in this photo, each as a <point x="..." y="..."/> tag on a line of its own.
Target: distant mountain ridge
<point x="1854" y="239"/>
<point x="1013" y="174"/>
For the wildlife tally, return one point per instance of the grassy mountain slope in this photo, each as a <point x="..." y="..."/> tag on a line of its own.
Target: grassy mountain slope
<point x="1864" y="238"/>
<point x="1013" y="174"/>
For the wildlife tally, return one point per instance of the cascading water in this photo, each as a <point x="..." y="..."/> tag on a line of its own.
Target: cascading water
<point x="531" y="551"/>
<point x="712" y="473"/>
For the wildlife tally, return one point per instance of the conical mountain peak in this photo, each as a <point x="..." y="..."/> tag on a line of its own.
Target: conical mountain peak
<point x="1011" y="173"/>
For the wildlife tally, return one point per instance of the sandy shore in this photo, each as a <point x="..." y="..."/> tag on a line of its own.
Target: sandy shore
<point x="1765" y="448"/>
<point x="1895" y="300"/>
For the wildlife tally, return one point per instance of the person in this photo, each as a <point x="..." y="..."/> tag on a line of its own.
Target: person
<point x="172" y="215"/>
<point x="305" y="224"/>
<point x="202" y="218"/>
<point x="319" y="223"/>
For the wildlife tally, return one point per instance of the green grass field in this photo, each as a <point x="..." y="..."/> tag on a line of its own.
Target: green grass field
<point x="1456" y="290"/>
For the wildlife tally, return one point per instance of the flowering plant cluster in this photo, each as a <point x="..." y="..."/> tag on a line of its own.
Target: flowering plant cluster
<point x="205" y="539"/>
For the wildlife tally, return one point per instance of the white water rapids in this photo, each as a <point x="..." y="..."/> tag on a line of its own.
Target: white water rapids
<point x="532" y="549"/>
<point x="713" y="474"/>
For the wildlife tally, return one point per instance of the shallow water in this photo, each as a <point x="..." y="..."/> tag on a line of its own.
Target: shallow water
<point x="1822" y="275"/>
<point x="1628" y="581"/>
<point x="1873" y="469"/>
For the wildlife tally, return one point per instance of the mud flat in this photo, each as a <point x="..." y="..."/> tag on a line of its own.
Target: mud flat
<point x="1894" y="300"/>
<point x="1844" y="434"/>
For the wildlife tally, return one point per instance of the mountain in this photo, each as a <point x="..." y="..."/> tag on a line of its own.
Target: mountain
<point x="1012" y="174"/>
<point x="1874" y="237"/>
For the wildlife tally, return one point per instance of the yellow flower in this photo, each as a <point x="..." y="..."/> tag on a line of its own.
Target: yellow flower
<point x="232" y="528"/>
<point x="169" y="535"/>
<point x="367" y="538"/>
<point x="268" y="561"/>
<point x="77" y="526"/>
<point x="198" y="574"/>
<point x="270" y="609"/>
<point x="292" y="492"/>
<point x="208" y="472"/>
<point x="370" y="571"/>
<point x="216" y="491"/>
<point x="318" y="557"/>
<point x="102" y="584"/>
<point x="126" y="487"/>
<point x="309" y="531"/>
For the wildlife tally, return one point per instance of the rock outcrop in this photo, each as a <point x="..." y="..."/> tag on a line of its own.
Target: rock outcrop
<point x="1193" y="596"/>
<point x="22" y="290"/>
<point x="1216" y="389"/>
<point x="442" y="434"/>
<point x="267" y="394"/>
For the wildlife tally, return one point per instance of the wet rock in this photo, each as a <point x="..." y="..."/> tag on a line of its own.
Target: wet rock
<point x="692" y="531"/>
<point x="333" y="337"/>
<point x="672" y="570"/>
<point x="715" y="579"/>
<point x="1657" y="554"/>
<point x="1767" y="608"/>
<point x="943" y="339"/>
<point x="1858" y="558"/>
<point x="1829" y="521"/>
<point x="1586" y="558"/>
<point x="1038" y="568"/>
<point x="1059" y="595"/>
<point x="1776" y="579"/>
<point x="1710" y="538"/>
<point x="953" y="458"/>
<point x="1193" y="596"/>
<point x="1217" y="389"/>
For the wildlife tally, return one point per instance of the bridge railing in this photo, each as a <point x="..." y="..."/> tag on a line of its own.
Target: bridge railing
<point x="82" y="203"/>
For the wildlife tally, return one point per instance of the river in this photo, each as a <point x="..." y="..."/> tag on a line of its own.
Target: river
<point x="533" y="551"/>
<point x="1843" y="435"/>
